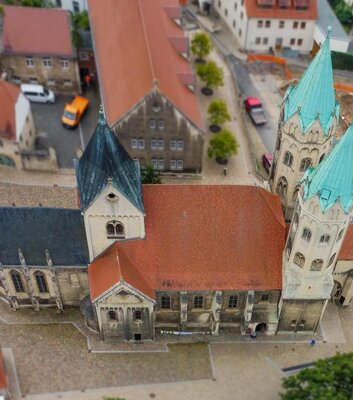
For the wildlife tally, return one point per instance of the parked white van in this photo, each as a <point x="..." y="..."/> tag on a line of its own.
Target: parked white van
<point x="38" y="93"/>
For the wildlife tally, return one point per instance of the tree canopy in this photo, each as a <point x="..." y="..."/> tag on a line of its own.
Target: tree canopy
<point x="329" y="379"/>
<point x="218" y="112"/>
<point x="223" y="145"/>
<point x="149" y="175"/>
<point x="201" y="45"/>
<point x="211" y="74"/>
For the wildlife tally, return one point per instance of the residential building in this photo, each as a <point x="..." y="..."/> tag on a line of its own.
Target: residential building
<point x="147" y="87"/>
<point x="142" y="260"/>
<point x="39" y="53"/>
<point x="4" y="384"/>
<point x="18" y="138"/>
<point x="74" y="6"/>
<point x="260" y="25"/>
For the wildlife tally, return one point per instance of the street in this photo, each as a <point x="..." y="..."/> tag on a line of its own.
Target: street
<point x="47" y="118"/>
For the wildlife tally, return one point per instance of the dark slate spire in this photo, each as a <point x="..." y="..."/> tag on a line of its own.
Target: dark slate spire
<point x="105" y="158"/>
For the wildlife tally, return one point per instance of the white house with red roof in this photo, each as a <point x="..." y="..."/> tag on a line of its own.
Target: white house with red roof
<point x="260" y="25"/>
<point x="39" y="53"/>
<point x="18" y="147"/>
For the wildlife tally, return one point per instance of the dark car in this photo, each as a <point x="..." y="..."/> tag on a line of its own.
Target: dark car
<point x="267" y="162"/>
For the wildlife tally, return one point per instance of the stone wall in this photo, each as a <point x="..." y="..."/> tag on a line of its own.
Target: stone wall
<point x="153" y="119"/>
<point x="51" y="77"/>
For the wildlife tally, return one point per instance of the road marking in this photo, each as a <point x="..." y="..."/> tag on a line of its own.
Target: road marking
<point x="81" y="137"/>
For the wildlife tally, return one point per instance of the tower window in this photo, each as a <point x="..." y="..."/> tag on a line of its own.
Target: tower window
<point x="198" y="302"/>
<point x="165" y="302"/>
<point x="17" y="281"/>
<point x="324" y="239"/>
<point x="306" y="235"/>
<point x="115" y="229"/>
<point x="233" y="301"/>
<point x="41" y="282"/>
<point x="265" y="297"/>
<point x="305" y="164"/>
<point x="332" y="258"/>
<point x="282" y="187"/>
<point x="316" y="265"/>
<point x="112" y="315"/>
<point x="138" y="315"/>
<point x="288" y="158"/>
<point x="299" y="259"/>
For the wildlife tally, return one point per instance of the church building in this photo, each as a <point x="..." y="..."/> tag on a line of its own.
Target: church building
<point x="145" y="260"/>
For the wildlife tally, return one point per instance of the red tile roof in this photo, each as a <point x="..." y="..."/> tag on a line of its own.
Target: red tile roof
<point x="346" y="252"/>
<point x="3" y="377"/>
<point x="134" y="47"/>
<point x="32" y="30"/>
<point x="117" y="268"/>
<point x="254" y="11"/>
<point x="202" y="238"/>
<point x="8" y="98"/>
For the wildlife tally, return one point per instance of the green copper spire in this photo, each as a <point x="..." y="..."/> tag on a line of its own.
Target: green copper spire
<point x="332" y="180"/>
<point x="313" y="97"/>
<point x="104" y="160"/>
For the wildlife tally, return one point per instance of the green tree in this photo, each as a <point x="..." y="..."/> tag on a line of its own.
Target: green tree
<point x="329" y="379"/>
<point x="218" y="112"/>
<point x="201" y="45"/>
<point x="149" y="175"/>
<point x="211" y="74"/>
<point x="81" y="21"/>
<point x="113" y="398"/>
<point x="223" y="145"/>
<point x="32" y="3"/>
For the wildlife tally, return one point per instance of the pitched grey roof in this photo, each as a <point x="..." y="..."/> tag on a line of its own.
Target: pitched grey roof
<point x="34" y="230"/>
<point x="104" y="158"/>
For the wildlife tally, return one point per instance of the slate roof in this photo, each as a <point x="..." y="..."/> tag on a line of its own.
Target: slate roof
<point x="33" y="30"/>
<point x="104" y="158"/>
<point x="134" y="53"/>
<point x="202" y="237"/>
<point x="9" y="94"/>
<point x="332" y="179"/>
<point x="313" y="96"/>
<point x="34" y="230"/>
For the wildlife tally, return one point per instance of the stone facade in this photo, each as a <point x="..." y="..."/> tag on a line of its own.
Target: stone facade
<point x="156" y="133"/>
<point x="55" y="73"/>
<point x="296" y="151"/>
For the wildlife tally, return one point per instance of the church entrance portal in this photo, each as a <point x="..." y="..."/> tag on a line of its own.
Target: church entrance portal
<point x="261" y="328"/>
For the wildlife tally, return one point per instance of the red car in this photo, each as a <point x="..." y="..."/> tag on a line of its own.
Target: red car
<point x="267" y="162"/>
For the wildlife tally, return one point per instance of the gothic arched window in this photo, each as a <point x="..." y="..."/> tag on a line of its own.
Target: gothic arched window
<point x="324" y="239"/>
<point x="295" y="193"/>
<point x="282" y="187"/>
<point x="306" y="235"/>
<point x="17" y="281"/>
<point x="115" y="229"/>
<point x="299" y="259"/>
<point x="316" y="265"/>
<point x="288" y="158"/>
<point x="305" y="164"/>
<point x="41" y="282"/>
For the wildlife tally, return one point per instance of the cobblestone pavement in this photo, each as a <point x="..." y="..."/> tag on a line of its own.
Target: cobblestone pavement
<point x="241" y="371"/>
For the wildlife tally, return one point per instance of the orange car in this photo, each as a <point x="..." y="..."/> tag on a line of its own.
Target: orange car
<point x="73" y="112"/>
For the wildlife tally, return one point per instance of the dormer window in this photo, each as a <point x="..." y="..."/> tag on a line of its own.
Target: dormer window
<point x="115" y="230"/>
<point x="112" y="197"/>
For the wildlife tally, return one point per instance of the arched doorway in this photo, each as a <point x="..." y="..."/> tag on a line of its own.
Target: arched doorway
<point x="261" y="328"/>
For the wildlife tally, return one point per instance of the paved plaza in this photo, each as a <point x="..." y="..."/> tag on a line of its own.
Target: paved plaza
<point x="52" y="360"/>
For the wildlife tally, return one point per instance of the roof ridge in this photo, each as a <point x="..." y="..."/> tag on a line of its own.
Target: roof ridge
<point x="117" y="259"/>
<point x="146" y="39"/>
<point x="269" y="205"/>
